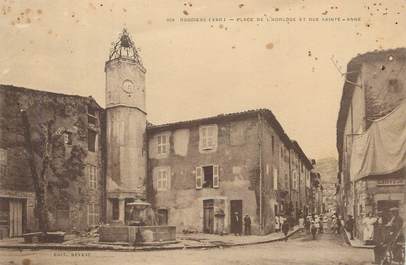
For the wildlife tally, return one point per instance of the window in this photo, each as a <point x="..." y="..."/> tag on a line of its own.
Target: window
<point x="115" y="208"/>
<point x="92" y="214"/>
<point x="67" y="138"/>
<point x="3" y="163"/>
<point x="273" y="144"/>
<point x="207" y="177"/>
<point x="275" y="178"/>
<point x="163" y="144"/>
<point x="91" y="116"/>
<point x="91" y="140"/>
<point x="294" y="184"/>
<point x="92" y="175"/>
<point x="208" y="137"/>
<point x="163" y="179"/>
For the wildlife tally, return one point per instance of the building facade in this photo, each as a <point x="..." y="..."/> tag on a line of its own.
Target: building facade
<point x="201" y="175"/>
<point x="370" y="140"/>
<point x="205" y="171"/>
<point x="76" y="183"/>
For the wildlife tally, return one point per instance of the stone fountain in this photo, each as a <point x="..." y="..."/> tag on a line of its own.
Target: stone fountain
<point x="141" y="227"/>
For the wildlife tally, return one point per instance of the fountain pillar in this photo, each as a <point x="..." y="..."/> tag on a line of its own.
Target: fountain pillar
<point x="121" y="210"/>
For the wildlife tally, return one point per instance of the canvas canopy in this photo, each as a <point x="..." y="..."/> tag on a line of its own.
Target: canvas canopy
<point x="382" y="148"/>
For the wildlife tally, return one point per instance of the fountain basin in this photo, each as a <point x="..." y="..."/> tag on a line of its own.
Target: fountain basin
<point x="125" y="233"/>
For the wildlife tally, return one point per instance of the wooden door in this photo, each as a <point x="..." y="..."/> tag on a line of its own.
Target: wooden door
<point x="208" y="216"/>
<point x="16" y="218"/>
<point x="236" y="216"/>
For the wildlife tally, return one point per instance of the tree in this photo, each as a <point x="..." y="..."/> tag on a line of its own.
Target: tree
<point x="40" y="175"/>
<point x="54" y="177"/>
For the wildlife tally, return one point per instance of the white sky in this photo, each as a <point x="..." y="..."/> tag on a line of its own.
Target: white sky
<point x="202" y="69"/>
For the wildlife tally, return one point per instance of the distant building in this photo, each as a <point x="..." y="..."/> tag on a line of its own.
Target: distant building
<point x="371" y="135"/>
<point x="197" y="174"/>
<point x="301" y="168"/>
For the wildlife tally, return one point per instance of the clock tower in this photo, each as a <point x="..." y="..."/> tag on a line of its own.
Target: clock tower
<point x="125" y="125"/>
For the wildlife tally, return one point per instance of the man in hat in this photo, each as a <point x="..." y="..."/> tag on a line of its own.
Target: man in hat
<point x="396" y="222"/>
<point x="379" y="237"/>
<point x="395" y="232"/>
<point x="237" y="223"/>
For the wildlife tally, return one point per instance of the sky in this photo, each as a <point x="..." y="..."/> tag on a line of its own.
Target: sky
<point x="200" y="69"/>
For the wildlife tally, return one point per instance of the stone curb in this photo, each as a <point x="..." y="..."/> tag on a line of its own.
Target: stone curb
<point x="348" y="241"/>
<point x="135" y="249"/>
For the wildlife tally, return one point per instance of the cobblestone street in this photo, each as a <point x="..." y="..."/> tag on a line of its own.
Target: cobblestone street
<point x="327" y="249"/>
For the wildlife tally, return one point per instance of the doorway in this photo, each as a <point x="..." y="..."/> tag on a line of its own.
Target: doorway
<point x="17" y="208"/>
<point x="162" y="216"/>
<point x="236" y="216"/>
<point x="208" y="216"/>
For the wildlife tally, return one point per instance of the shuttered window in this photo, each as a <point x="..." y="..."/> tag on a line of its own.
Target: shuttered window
<point x="207" y="177"/>
<point x="92" y="214"/>
<point x="275" y="178"/>
<point x="163" y="144"/>
<point x="3" y="163"/>
<point x="208" y="137"/>
<point x="92" y="176"/>
<point x="163" y="179"/>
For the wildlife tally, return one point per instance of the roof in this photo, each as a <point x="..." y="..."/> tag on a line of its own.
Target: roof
<point x="353" y="72"/>
<point x="12" y="88"/>
<point x="266" y="113"/>
<point x="302" y="155"/>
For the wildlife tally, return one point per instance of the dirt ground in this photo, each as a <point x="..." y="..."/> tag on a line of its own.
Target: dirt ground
<point x="327" y="249"/>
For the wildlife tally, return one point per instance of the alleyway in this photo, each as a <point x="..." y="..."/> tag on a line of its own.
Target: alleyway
<point x="327" y="249"/>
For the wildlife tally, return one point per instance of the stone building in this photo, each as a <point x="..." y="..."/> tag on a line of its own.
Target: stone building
<point x="301" y="168"/>
<point x="371" y="135"/>
<point x="206" y="170"/>
<point x="75" y="193"/>
<point x="196" y="174"/>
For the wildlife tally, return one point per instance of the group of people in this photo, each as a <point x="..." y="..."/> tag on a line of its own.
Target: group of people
<point x="312" y="224"/>
<point x="238" y="223"/>
<point x="282" y="224"/>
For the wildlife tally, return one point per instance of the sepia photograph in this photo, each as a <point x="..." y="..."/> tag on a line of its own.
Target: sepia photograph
<point x="202" y="132"/>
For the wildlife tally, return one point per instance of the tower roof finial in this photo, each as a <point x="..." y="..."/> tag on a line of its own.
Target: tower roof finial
<point x="125" y="48"/>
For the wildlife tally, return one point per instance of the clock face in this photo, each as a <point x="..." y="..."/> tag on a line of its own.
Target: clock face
<point x="128" y="86"/>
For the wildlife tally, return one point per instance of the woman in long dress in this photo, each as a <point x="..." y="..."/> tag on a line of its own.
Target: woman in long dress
<point x="368" y="227"/>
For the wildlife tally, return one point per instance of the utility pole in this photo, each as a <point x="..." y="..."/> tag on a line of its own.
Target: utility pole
<point x="260" y="170"/>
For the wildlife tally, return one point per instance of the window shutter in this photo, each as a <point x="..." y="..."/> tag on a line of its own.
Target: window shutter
<point x="275" y="178"/>
<point x="216" y="179"/>
<point x="168" y="179"/>
<point x="199" y="177"/>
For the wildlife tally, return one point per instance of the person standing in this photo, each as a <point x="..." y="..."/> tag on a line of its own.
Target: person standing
<point x="277" y="223"/>
<point x="349" y="226"/>
<point x="301" y="223"/>
<point x="313" y="229"/>
<point x="237" y="223"/>
<point x="285" y="228"/>
<point x="247" y="225"/>
<point x="368" y="223"/>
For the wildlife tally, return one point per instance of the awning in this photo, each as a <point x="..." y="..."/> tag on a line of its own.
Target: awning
<point x="382" y="148"/>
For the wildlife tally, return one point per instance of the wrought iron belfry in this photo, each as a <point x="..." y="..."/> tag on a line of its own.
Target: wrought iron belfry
<point x="125" y="48"/>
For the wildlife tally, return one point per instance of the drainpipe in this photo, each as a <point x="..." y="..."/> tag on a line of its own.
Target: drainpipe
<point x="260" y="170"/>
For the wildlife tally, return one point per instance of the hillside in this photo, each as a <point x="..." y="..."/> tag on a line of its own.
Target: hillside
<point x="327" y="167"/>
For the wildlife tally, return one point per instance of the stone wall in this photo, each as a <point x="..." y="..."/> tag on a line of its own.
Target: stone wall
<point x="70" y="116"/>
<point x="237" y="158"/>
